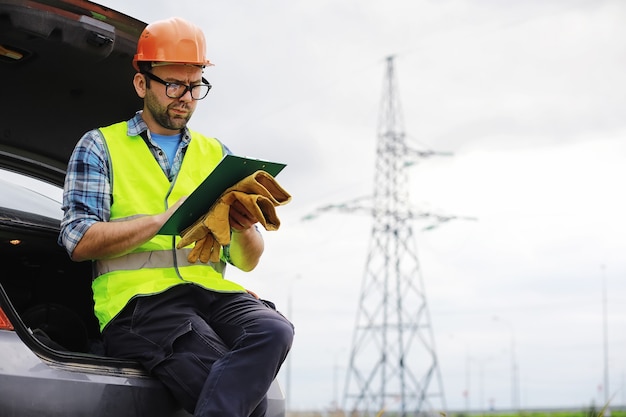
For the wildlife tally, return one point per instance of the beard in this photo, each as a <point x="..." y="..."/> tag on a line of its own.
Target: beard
<point x="166" y="115"/>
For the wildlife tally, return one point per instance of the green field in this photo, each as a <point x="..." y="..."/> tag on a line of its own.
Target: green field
<point x="582" y="412"/>
<point x="588" y="412"/>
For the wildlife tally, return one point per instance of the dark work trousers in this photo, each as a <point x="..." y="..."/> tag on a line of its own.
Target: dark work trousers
<point x="217" y="353"/>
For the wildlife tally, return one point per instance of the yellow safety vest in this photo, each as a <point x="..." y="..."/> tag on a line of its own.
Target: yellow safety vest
<point x="140" y="187"/>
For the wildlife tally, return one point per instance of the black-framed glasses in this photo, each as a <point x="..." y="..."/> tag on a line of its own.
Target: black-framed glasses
<point x="177" y="90"/>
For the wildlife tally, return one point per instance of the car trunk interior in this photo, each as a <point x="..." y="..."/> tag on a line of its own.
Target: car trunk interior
<point x="50" y="292"/>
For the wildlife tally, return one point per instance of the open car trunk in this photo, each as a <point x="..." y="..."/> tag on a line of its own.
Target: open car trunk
<point x="49" y="292"/>
<point x="66" y="68"/>
<point x="48" y="297"/>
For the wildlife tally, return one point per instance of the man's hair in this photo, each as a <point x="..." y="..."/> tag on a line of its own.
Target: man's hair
<point x="144" y="66"/>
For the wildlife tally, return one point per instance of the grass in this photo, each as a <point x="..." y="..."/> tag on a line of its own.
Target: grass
<point x="590" y="411"/>
<point x="583" y="412"/>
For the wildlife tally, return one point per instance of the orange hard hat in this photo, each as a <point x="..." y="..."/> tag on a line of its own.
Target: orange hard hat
<point x="173" y="40"/>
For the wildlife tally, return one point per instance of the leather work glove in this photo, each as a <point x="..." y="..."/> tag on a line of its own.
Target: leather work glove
<point x="217" y="219"/>
<point x="206" y="249"/>
<point x="263" y="184"/>
<point x="259" y="193"/>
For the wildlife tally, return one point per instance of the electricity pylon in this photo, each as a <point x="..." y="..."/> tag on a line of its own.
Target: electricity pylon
<point x="393" y="363"/>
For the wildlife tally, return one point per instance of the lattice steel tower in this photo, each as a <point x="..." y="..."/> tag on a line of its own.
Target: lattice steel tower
<point x="393" y="363"/>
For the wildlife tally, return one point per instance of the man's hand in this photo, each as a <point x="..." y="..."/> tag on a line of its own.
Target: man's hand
<point x="240" y="218"/>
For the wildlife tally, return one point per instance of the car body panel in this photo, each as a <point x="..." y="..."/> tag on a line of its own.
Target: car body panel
<point x="62" y="389"/>
<point x="73" y="389"/>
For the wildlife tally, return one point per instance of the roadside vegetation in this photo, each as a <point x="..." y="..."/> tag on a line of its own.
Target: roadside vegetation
<point x="591" y="411"/>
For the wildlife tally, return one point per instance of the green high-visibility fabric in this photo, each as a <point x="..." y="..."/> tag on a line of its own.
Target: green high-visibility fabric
<point x="140" y="187"/>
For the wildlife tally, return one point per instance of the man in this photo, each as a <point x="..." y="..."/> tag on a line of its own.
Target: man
<point x="216" y="347"/>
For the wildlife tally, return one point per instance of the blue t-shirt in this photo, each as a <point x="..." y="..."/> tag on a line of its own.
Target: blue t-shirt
<point x="168" y="144"/>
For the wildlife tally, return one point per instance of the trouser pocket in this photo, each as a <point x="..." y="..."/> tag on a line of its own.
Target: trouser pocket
<point x="188" y="355"/>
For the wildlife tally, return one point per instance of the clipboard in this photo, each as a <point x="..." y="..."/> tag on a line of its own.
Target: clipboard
<point x="230" y="170"/>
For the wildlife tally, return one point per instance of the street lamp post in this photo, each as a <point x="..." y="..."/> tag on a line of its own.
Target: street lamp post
<point x="607" y="409"/>
<point x="288" y="364"/>
<point x="467" y="391"/>
<point x="514" y="368"/>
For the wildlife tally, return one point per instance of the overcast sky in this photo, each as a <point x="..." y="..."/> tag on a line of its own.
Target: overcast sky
<point x="530" y="99"/>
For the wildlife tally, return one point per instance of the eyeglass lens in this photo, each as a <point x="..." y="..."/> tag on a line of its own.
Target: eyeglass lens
<point x="198" y="91"/>
<point x="175" y="90"/>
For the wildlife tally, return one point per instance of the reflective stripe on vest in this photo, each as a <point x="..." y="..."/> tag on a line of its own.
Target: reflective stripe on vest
<point x="140" y="187"/>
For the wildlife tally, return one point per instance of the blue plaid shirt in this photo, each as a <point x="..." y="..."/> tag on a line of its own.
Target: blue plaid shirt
<point x="87" y="192"/>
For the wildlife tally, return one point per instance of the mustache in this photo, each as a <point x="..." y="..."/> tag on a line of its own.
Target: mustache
<point x="179" y="106"/>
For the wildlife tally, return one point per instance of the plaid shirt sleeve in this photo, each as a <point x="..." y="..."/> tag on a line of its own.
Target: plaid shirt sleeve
<point x="87" y="190"/>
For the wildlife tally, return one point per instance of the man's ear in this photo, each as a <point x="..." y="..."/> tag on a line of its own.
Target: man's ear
<point x="139" y="81"/>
